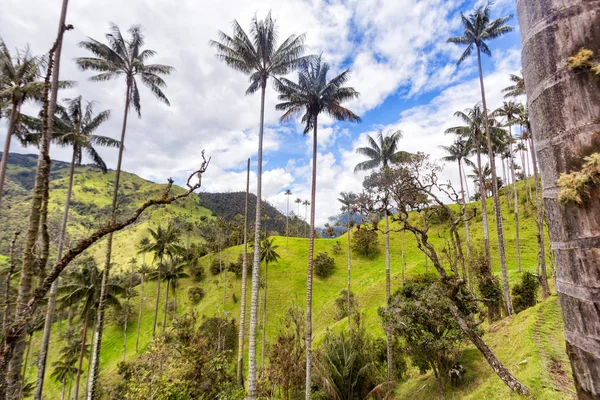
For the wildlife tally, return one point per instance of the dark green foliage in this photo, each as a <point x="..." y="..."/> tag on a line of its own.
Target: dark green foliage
<point x="216" y="266"/>
<point x="324" y="265"/>
<point x="236" y="267"/>
<point x="341" y="304"/>
<point x="222" y="332"/>
<point x="525" y="292"/>
<point x="336" y="248"/>
<point x="197" y="272"/>
<point x="488" y="285"/>
<point x="364" y="242"/>
<point x="347" y="366"/>
<point x="196" y="294"/>
<point x="420" y="315"/>
<point x="185" y="364"/>
<point x="438" y="215"/>
<point x="399" y="360"/>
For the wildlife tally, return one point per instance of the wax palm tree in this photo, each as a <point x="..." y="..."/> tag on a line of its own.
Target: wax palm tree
<point x="478" y="28"/>
<point x="305" y="203"/>
<point x="288" y="193"/>
<point x="382" y="153"/>
<point x="259" y="56"/>
<point x="144" y="270"/>
<point x="75" y="126"/>
<point x="517" y="88"/>
<point x="473" y="130"/>
<point x="63" y="370"/>
<point x="510" y="111"/>
<point x="348" y="200"/>
<point x="20" y="83"/>
<point x="163" y="242"/>
<point x="128" y="294"/>
<point x="83" y="288"/>
<point x="173" y="270"/>
<point x="127" y="59"/>
<point x="268" y="254"/>
<point x="312" y="95"/>
<point x="458" y="152"/>
<point x="482" y="177"/>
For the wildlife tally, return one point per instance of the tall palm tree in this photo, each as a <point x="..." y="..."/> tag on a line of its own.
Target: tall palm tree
<point x="473" y="131"/>
<point x="242" y="333"/>
<point x="458" y="152"/>
<point x="268" y="254"/>
<point x="127" y="59"/>
<point x="305" y="203"/>
<point x="63" y="370"/>
<point x="516" y="89"/>
<point x="510" y="111"/>
<point x="20" y="83"/>
<point x="478" y="28"/>
<point x="348" y="200"/>
<point x="573" y="227"/>
<point x="163" y="242"/>
<point x="83" y="288"/>
<point x="381" y="153"/>
<point x="144" y="270"/>
<point x="128" y="294"/>
<point x="76" y="127"/>
<point x="288" y="193"/>
<point x="259" y="56"/>
<point x="172" y="271"/>
<point x="312" y="95"/>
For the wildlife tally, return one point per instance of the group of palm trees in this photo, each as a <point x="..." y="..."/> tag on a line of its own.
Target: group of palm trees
<point x="74" y="125"/>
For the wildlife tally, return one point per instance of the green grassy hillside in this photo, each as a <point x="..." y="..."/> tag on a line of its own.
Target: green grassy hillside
<point x="531" y="343"/>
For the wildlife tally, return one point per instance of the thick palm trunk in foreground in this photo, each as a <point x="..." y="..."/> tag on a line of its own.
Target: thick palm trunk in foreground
<point x="39" y="384"/>
<point x="241" y="338"/>
<point x="94" y="367"/>
<point x="564" y="106"/>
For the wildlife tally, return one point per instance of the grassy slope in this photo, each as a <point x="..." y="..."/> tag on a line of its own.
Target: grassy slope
<point x="534" y="335"/>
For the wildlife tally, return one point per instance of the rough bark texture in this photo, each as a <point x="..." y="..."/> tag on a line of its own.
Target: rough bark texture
<point x="11" y="127"/>
<point x="241" y="338"/>
<point x="263" y="338"/>
<point x="564" y="106"/>
<point x="256" y="263"/>
<point x="39" y="384"/>
<point x="495" y="195"/>
<point x="311" y="249"/>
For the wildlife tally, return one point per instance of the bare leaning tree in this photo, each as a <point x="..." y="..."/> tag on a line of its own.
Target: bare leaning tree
<point x="415" y="186"/>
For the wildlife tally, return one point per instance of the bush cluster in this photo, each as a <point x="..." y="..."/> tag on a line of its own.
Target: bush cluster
<point x="324" y="265"/>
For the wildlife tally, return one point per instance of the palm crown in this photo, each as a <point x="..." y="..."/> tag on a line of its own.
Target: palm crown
<point x="517" y="88"/>
<point x="478" y="29"/>
<point x="258" y="55"/>
<point x="313" y="94"/>
<point x="381" y="152"/>
<point x="459" y="151"/>
<point x="125" y="58"/>
<point x="76" y="127"/>
<point x="20" y="76"/>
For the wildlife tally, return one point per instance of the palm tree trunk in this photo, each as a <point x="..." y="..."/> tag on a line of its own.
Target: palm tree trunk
<point x="540" y="222"/>
<point x="348" y="298"/>
<point x="157" y="299"/>
<point x="388" y="333"/>
<point x="467" y="238"/>
<point x="264" y="329"/>
<point x="89" y="361"/>
<point x="225" y="278"/>
<point x="241" y="337"/>
<point x="483" y="195"/>
<point x="37" y="206"/>
<point x="102" y="302"/>
<point x="70" y="385"/>
<point x="64" y="388"/>
<point x="256" y="263"/>
<point x="81" y="353"/>
<point x="7" y="317"/>
<point x="26" y="359"/>
<point x="139" y="324"/>
<point x="287" y="223"/>
<point x="311" y="248"/>
<point x="39" y="384"/>
<point x="403" y="259"/>
<point x="497" y="210"/>
<point x="506" y="182"/>
<point x="516" y="205"/>
<point x="11" y="128"/>
<point x="165" y="306"/>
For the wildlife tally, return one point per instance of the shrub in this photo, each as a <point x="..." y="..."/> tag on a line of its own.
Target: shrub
<point x="236" y="267"/>
<point x="196" y="294"/>
<point x="197" y="272"/>
<point x="364" y="242"/>
<point x="216" y="266"/>
<point x="324" y="265"/>
<point x="336" y="248"/>
<point x="488" y="284"/>
<point x="525" y="292"/>
<point x="341" y="304"/>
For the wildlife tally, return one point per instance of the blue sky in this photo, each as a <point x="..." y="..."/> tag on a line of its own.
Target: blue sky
<point x="396" y="50"/>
